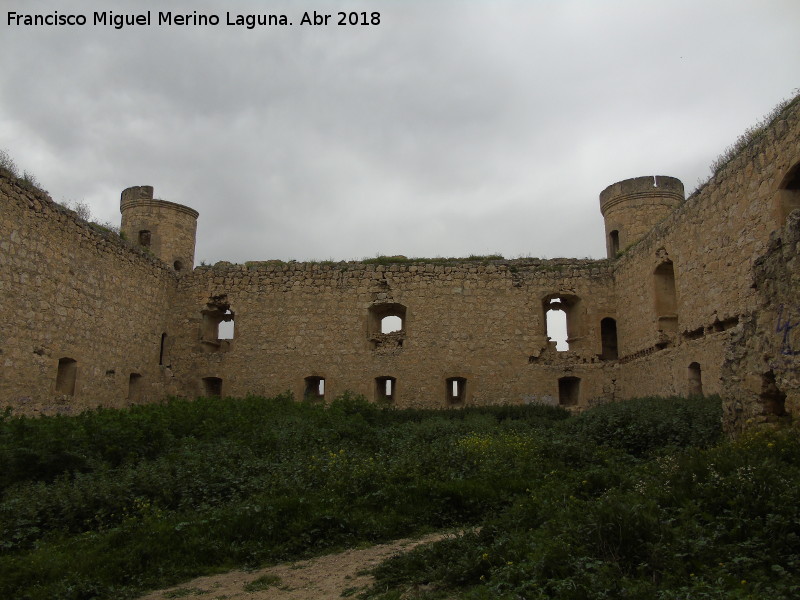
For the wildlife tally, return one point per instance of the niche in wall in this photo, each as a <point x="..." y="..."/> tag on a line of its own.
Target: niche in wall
<point x="788" y="195"/>
<point x="66" y="375"/>
<point x="608" y="339"/>
<point x="666" y="297"/>
<point x="695" y="379"/>
<point x="212" y="387"/>
<point x="569" y="391"/>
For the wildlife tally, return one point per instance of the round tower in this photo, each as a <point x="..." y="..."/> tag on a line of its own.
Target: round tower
<point x="166" y="228"/>
<point x="632" y="207"/>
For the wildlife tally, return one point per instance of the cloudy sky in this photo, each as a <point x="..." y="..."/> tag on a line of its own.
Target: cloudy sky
<point x="450" y="128"/>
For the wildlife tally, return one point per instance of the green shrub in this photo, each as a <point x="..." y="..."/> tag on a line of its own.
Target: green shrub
<point x="643" y="425"/>
<point x="109" y="503"/>
<point x="719" y="522"/>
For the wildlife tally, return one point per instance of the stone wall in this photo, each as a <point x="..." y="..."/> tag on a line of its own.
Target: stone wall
<point x="761" y="373"/>
<point x="71" y="292"/>
<point x="483" y="322"/>
<point x="711" y="241"/>
<point x="702" y="298"/>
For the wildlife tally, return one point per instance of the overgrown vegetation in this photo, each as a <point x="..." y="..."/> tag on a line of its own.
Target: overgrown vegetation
<point x="751" y="134"/>
<point x="80" y="208"/>
<point x="84" y="212"/>
<point x="671" y="522"/>
<point x="385" y="260"/>
<point x="399" y="259"/>
<point x="7" y="164"/>
<point x="110" y="503"/>
<point x="748" y="137"/>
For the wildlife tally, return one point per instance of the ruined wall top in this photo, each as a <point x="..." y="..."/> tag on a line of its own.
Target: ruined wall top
<point x="557" y="267"/>
<point x="660" y="186"/>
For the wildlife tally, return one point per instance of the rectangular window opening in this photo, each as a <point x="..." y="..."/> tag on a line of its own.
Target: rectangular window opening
<point x="385" y="389"/>
<point x="212" y="387"/>
<point x="66" y="376"/>
<point x="315" y="389"/>
<point x="134" y="387"/>
<point x="161" y="349"/>
<point x="569" y="391"/>
<point x="456" y="390"/>
<point x="695" y="380"/>
<point x="613" y="244"/>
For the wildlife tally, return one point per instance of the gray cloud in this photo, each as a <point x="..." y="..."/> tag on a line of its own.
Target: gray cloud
<point x="451" y="128"/>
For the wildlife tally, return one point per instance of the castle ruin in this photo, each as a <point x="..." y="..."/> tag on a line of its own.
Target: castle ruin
<point x="698" y="295"/>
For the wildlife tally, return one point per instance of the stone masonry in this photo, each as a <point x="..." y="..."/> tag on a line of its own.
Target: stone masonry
<point x="698" y="295"/>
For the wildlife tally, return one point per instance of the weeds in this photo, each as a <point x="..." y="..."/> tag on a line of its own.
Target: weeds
<point x="687" y="519"/>
<point x="109" y="503"/>
<point x="84" y="213"/>
<point x="750" y="136"/>
<point x="389" y="260"/>
<point x="262" y="583"/>
<point x="184" y="592"/>
<point x="8" y="165"/>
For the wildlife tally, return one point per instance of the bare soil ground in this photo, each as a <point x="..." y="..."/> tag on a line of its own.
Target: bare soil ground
<point x="322" y="578"/>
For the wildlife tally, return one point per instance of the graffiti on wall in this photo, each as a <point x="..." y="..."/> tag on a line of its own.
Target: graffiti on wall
<point x="787" y="328"/>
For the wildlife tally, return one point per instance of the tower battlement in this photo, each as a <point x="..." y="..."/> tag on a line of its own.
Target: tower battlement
<point x="168" y="229"/>
<point x="632" y="207"/>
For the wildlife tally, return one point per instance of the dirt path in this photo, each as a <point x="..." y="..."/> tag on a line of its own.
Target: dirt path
<point x="321" y="578"/>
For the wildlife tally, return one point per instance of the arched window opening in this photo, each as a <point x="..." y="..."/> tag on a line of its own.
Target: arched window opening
<point x="792" y="179"/>
<point x="666" y="298"/>
<point x="315" y="389"/>
<point x="456" y="390"/>
<point x="66" y="376"/>
<point x="161" y="349"/>
<point x="773" y="399"/>
<point x="569" y="391"/>
<point x="608" y="339"/>
<point x="563" y="319"/>
<point x="212" y="387"/>
<point x="613" y="244"/>
<point x="145" y="238"/>
<point x="557" y="324"/>
<point x="695" y="380"/>
<point x="134" y="387"/>
<point x="391" y="324"/>
<point x="385" y="388"/>
<point x="386" y="326"/>
<point x="789" y="194"/>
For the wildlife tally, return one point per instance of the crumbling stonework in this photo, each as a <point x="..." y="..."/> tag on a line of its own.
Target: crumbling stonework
<point x="761" y="372"/>
<point x="697" y="295"/>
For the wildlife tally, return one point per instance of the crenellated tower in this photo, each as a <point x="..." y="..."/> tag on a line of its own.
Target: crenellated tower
<point x="632" y="207"/>
<point x="166" y="228"/>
